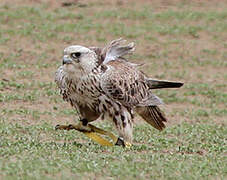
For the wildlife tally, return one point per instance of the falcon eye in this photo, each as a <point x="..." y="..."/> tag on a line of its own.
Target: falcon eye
<point x="75" y="55"/>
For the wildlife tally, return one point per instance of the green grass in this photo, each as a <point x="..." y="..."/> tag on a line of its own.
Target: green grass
<point x="180" y="152"/>
<point x="40" y="24"/>
<point x="181" y="41"/>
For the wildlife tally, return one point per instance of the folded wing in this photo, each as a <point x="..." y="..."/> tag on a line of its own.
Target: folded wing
<point x="127" y="85"/>
<point x="124" y="83"/>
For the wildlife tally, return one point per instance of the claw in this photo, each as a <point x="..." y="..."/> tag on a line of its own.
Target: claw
<point x="121" y="142"/>
<point x="70" y="126"/>
<point x="57" y="127"/>
<point x="65" y="127"/>
<point x="128" y="144"/>
<point x="61" y="127"/>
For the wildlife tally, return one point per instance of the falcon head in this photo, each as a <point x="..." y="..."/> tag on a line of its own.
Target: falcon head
<point x="79" y="58"/>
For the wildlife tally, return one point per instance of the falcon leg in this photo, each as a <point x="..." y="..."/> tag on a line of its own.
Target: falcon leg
<point x="78" y="127"/>
<point x="124" y="127"/>
<point x="117" y="141"/>
<point x="82" y="126"/>
<point x="91" y="131"/>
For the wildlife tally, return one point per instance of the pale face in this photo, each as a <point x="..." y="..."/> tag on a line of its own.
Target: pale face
<point x="79" y="59"/>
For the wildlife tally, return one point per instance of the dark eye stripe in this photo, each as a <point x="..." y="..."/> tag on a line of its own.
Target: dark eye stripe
<point x="75" y="55"/>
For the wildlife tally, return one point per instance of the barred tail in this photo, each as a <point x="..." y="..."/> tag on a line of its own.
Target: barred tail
<point x="153" y="116"/>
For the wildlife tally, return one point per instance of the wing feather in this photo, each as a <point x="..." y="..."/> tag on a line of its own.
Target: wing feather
<point x="127" y="85"/>
<point x="115" y="50"/>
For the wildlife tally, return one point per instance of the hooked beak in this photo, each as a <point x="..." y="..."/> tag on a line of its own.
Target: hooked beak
<point x="66" y="60"/>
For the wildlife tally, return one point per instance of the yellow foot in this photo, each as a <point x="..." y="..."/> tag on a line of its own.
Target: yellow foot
<point x="92" y="132"/>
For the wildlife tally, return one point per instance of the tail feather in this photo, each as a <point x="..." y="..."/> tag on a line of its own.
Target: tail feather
<point x="153" y="116"/>
<point x="157" y="84"/>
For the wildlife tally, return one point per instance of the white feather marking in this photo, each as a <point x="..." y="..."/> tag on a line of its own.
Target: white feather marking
<point x="151" y="100"/>
<point x="114" y="51"/>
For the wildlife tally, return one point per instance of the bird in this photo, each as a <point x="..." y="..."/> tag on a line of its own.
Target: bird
<point x="102" y="83"/>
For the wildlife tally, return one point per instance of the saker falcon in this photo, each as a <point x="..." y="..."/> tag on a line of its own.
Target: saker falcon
<point x="101" y="83"/>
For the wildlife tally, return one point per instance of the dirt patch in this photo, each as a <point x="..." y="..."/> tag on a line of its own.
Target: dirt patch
<point x="43" y="58"/>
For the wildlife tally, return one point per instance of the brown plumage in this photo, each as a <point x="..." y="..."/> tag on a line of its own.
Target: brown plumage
<point x="152" y="115"/>
<point x="100" y="82"/>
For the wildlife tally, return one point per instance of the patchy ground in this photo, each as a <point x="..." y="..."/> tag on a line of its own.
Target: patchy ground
<point x="178" y="40"/>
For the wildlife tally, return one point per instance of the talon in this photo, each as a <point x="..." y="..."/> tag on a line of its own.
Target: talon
<point x="57" y="127"/>
<point x="64" y="127"/>
<point x="84" y="122"/>
<point x="70" y="126"/>
<point x="128" y="145"/>
<point x="120" y="142"/>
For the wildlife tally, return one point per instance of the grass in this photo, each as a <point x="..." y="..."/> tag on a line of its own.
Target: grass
<point x="181" y="152"/>
<point x="181" y="41"/>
